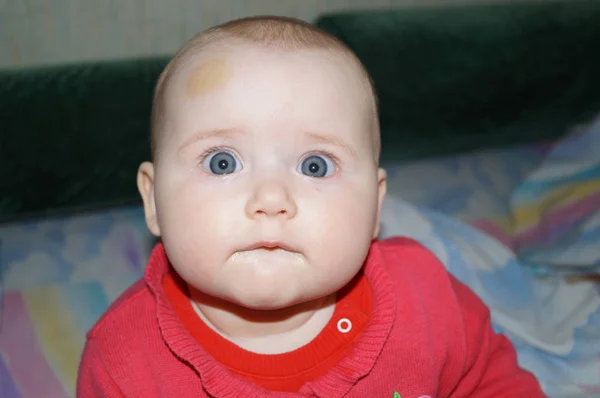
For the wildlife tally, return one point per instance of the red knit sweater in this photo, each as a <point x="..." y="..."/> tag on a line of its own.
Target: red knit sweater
<point x="428" y="336"/>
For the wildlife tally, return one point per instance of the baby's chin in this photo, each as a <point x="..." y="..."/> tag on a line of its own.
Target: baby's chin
<point x="270" y="284"/>
<point x="281" y="297"/>
<point x="268" y="300"/>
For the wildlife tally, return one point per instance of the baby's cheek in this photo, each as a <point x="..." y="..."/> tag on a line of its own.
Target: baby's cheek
<point x="180" y="210"/>
<point x="355" y="205"/>
<point x="339" y="240"/>
<point x="348" y="219"/>
<point x="204" y="214"/>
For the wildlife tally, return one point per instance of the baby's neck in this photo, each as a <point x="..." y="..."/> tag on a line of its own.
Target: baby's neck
<point x="265" y="332"/>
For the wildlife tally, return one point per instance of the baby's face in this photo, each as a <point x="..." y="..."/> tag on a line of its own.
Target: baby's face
<point x="267" y="192"/>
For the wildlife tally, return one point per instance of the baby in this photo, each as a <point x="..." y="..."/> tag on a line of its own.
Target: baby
<point x="269" y="279"/>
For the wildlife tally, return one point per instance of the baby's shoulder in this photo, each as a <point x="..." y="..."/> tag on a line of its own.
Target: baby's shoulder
<point x="408" y="256"/>
<point x="413" y="267"/>
<point x="126" y="314"/>
<point x="127" y="341"/>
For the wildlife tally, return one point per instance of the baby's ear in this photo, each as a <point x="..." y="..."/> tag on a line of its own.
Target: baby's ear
<point x="145" y="183"/>
<point x="381" y="190"/>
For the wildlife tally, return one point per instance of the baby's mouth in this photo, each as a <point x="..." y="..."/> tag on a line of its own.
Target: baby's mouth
<point x="262" y="251"/>
<point x="270" y="246"/>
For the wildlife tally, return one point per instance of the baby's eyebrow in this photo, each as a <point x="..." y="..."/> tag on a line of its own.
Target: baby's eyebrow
<point x="333" y="141"/>
<point x="230" y="132"/>
<point x="204" y="135"/>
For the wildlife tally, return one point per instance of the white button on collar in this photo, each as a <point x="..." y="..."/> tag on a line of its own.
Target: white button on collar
<point x="344" y="325"/>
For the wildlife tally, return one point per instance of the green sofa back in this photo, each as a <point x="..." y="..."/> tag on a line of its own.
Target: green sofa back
<point x="74" y="135"/>
<point x="449" y="79"/>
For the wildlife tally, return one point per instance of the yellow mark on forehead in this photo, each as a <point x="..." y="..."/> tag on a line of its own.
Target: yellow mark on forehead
<point x="207" y="77"/>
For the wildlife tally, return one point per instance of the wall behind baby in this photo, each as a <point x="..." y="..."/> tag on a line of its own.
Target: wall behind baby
<point x="41" y="32"/>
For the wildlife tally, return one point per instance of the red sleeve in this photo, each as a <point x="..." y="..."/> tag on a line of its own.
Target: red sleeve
<point x="93" y="379"/>
<point x="490" y="368"/>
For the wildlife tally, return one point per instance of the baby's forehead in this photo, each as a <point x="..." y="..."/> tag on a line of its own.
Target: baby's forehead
<point x="208" y="74"/>
<point x="211" y="68"/>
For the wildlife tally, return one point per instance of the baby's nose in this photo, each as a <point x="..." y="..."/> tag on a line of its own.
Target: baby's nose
<point x="271" y="199"/>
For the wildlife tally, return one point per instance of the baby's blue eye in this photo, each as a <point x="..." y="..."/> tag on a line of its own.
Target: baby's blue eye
<point x="316" y="166"/>
<point x="222" y="163"/>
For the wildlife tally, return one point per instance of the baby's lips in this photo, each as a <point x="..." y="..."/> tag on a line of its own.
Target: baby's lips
<point x="270" y="244"/>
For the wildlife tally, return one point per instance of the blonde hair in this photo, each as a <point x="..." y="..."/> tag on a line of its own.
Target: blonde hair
<point x="280" y="33"/>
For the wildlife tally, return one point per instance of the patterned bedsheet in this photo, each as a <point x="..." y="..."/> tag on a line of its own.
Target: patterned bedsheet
<point x="556" y="209"/>
<point x="60" y="274"/>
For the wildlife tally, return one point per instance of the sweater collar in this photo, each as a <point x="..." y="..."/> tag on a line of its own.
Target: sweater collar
<point x="218" y="381"/>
